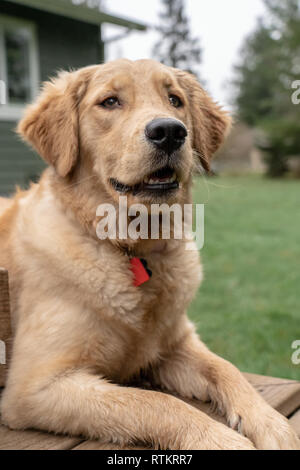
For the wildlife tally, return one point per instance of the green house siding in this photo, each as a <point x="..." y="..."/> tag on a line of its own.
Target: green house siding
<point x="18" y="164"/>
<point x="63" y="44"/>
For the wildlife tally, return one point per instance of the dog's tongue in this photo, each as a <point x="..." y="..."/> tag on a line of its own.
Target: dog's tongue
<point x="163" y="174"/>
<point x="163" y="179"/>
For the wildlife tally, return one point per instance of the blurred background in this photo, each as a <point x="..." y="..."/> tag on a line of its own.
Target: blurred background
<point x="247" y="55"/>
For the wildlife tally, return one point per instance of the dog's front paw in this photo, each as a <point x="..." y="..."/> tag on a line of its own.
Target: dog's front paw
<point x="267" y="429"/>
<point x="217" y="437"/>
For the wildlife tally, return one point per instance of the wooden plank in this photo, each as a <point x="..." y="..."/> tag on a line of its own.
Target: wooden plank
<point x="295" y="422"/>
<point x="34" y="440"/>
<point x="281" y="394"/>
<point x="95" y="445"/>
<point x="5" y="327"/>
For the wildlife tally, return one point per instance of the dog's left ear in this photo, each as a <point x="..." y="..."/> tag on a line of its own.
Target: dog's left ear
<point x="51" y="124"/>
<point x="211" y="124"/>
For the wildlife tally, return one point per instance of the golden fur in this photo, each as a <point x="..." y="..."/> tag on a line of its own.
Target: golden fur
<point x="82" y="330"/>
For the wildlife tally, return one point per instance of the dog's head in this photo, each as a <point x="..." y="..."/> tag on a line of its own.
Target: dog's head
<point x="137" y="126"/>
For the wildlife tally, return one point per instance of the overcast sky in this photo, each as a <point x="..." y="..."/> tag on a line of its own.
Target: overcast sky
<point x="221" y="26"/>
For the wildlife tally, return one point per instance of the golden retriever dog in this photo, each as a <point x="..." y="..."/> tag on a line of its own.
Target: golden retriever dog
<point x="83" y="332"/>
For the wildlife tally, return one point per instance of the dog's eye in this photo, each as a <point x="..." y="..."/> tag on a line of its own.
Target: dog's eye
<point x="175" y="101"/>
<point x="110" y="103"/>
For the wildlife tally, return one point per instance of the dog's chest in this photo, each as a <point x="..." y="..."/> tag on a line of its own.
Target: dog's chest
<point x="143" y="335"/>
<point x="175" y="279"/>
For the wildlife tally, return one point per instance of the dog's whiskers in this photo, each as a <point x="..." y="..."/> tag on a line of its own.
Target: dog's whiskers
<point x="78" y="183"/>
<point x="200" y="170"/>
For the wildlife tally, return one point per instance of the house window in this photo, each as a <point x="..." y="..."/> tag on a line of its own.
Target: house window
<point x="19" y="71"/>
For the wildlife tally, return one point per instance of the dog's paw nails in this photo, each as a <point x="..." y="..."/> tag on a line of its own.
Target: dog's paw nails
<point x="235" y="423"/>
<point x="238" y="425"/>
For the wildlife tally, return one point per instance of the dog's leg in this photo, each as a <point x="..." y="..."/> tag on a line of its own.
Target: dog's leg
<point x="80" y="403"/>
<point x="193" y="371"/>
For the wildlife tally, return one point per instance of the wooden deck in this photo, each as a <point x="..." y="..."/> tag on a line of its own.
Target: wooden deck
<point x="284" y="395"/>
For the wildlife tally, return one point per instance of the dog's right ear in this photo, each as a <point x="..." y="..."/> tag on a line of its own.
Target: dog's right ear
<point x="211" y="123"/>
<point x="51" y="124"/>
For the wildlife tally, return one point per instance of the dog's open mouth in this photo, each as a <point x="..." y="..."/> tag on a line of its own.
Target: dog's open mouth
<point x="161" y="180"/>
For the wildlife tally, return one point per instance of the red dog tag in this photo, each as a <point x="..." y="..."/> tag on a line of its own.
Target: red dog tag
<point x="141" y="273"/>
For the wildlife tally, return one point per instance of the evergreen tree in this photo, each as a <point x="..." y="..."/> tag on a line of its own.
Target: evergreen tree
<point x="270" y="64"/>
<point x="176" y="47"/>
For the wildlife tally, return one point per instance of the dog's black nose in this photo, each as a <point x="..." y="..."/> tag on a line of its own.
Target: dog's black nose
<point x="166" y="134"/>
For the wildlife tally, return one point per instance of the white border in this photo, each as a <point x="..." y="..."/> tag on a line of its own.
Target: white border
<point x="12" y="112"/>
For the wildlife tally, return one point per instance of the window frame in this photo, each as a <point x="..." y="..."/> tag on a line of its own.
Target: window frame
<point x="9" y="111"/>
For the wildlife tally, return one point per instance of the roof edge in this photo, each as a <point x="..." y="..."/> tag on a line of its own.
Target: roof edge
<point x="80" y="12"/>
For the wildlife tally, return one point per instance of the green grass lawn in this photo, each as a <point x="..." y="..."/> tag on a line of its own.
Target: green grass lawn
<point x="248" y="307"/>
